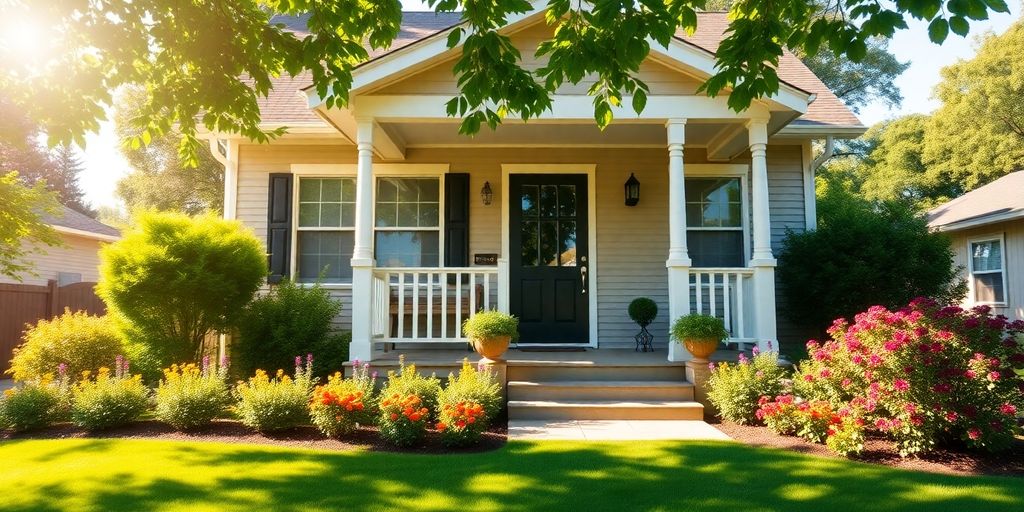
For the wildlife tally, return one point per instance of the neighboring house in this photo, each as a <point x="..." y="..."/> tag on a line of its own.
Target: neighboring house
<point x="987" y="228"/>
<point x="77" y="260"/>
<point x="414" y="226"/>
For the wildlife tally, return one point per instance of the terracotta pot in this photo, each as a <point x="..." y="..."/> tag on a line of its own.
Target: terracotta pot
<point x="491" y="348"/>
<point x="701" y="348"/>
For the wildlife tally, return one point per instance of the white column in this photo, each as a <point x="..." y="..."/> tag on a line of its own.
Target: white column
<point x="763" y="262"/>
<point x="678" y="262"/>
<point x="362" y="255"/>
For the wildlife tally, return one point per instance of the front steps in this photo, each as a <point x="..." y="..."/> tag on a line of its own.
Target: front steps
<point x="573" y="390"/>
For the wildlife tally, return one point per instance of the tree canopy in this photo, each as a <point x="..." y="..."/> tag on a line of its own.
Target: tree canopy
<point x="206" y="63"/>
<point x="22" y="230"/>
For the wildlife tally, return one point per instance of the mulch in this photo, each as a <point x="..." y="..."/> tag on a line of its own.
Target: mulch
<point x="230" y="431"/>
<point x="877" y="450"/>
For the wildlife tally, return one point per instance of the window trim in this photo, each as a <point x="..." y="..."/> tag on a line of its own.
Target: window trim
<point x="386" y="170"/>
<point x="727" y="171"/>
<point x="993" y="237"/>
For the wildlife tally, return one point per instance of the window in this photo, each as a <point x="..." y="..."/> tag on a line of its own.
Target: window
<point x="326" y="232"/>
<point x="714" y="222"/>
<point x="407" y="220"/>
<point x="988" y="274"/>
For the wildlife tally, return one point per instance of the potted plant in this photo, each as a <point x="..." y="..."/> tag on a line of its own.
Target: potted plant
<point x="643" y="311"/>
<point x="700" y="333"/>
<point x="490" y="332"/>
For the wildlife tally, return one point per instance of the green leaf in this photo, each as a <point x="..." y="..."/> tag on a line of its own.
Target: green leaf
<point x="454" y="38"/>
<point x="959" y="25"/>
<point x="997" y="5"/>
<point x="938" y="30"/>
<point x="639" y="101"/>
<point x="857" y="50"/>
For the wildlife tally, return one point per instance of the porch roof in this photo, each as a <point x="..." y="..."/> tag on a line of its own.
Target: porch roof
<point x="826" y="114"/>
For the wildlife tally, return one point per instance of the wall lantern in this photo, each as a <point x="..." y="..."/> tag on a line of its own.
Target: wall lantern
<point x="632" y="190"/>
<point x="486" y="194"/>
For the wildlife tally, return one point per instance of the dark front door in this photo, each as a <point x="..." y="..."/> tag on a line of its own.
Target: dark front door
<point x="549" y="285"/>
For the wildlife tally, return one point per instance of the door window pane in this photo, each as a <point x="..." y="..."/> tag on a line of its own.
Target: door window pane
<point x="529" y="199"/>
<point x="528" y="240"/>
<point x="407" y="248"/>
<point x="567" y="200"/>
<point x="549" y="243"/>
<point x="548" y="200"/>
<point x="567" y="240"/>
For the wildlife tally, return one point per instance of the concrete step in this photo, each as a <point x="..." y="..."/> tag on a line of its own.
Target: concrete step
<point x="546" y="371"/>
<point x="604" y="410"/>
<point x="667" y="390"/>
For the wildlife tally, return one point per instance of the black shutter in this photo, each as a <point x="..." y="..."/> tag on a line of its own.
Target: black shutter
<point x="279" y="226"/>
<point x="456" y="220"/>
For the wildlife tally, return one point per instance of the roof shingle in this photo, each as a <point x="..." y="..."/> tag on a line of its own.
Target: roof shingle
<point x="72" y="219"/>
<point x="1003" y="198"/>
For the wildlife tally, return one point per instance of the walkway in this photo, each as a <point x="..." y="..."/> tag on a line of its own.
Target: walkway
<point x="613" y="430"/>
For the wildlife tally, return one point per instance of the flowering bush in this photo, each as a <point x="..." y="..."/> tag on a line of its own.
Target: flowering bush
<point x="35" y="404"/>
<point x="467" y="405"/>
<point x="268" y="404"/>
<point x="923" y="375"/>
<point x="736" y="388"/>
<point x="108" y="400"/>
<point x="403" y="419"/>
<point x="816" y="421"/>
<point x="409" y="382"/>
<point x="846" y="436"/>
<point x="190" y="396"/>
<point x="341" y="405"/>
<point x="78" y="341"/>
<point x="780" y="415"/>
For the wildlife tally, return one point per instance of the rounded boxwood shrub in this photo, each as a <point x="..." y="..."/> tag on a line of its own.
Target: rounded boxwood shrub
<point x="643" y="311"/>
<point x="924" y="375"/>
<point x="110" y="399"/>
<point x="34" y="404"/>
<point x="78" y="341"/>
<point x="191" y="396"/>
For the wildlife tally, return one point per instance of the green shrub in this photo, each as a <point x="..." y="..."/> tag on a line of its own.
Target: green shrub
<point x="282" y="402"/>
<point x="467" y="405"/>
<point x="643" y="311"/>
<point x="34" y="404"/>
<point x="291" y="319"/>
<point x="190" y="396"/>
<point x="735" y="389"/>
<point x="77" y="340"/>
<point x="174" y="278"/>
<point x="491" y="324"/>
<point x="863" y="254"/>
<point x="407" y="404"/>
<point x="698" y="326"/>
<point x="109" y="400"/>
<point x="341" y="405"/>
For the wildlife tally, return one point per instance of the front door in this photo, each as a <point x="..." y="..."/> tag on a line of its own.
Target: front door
<point x="548" y="279"/>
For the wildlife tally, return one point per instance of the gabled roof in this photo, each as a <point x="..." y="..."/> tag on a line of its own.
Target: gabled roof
<point x="284" y="105"/>
<point x="999" y="201"/>
<point x="76" y="223"/>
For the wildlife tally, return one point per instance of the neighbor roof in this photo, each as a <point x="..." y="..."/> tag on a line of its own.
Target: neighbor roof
<point x="72" y="220"/>
<point x="285" y="105"/>
<point x="1001" y="200"/>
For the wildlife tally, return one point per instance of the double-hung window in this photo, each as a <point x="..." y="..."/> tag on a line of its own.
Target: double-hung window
<point x="988" y="272"/>
<point x="408" y="222"/>
<point x="325" y="229"/>
<point x="714" y="221"/>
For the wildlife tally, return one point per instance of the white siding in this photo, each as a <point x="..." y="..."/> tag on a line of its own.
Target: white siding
<point x="79" y="255"/>
<point x="1013" y="233"/>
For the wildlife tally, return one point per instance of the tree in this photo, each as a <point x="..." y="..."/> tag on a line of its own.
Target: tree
<point x="160" y="179"/>
<point x="207" y="62"/>
<point x="977" y="135"/>
<point x="174" y="278"/>
<point x="64" y="179"/>
<point x="863" y="254"/>
<point x="22" y="231"/>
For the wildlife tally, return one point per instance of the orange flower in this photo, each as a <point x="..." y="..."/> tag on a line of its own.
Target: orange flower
<point x="394" y="416"/>
<point x="441" y="426"/>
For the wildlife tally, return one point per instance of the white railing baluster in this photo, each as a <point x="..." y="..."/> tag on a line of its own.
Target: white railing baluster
<point x="740" y="320"/>
<point x="487" y="291"/>
<point x="415" y="305"/>
<point x="700" y="295"/>
<point x="444" y="304"/>
<point x="713" y="278"/>
<point x="401" y="304"/>
<point x="458" y="305"/>
<point x="472" y="293"/>
<point x="726" y="317"/>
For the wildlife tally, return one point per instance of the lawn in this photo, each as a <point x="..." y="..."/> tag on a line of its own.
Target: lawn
<point x="108" y="474"/>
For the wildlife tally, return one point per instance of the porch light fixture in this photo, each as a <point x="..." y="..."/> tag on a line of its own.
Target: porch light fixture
<point x="486" y="194"/>
<point x="632" y="190"/>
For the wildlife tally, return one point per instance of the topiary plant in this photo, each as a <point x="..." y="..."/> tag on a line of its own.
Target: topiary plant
<point x="643" y="311"/>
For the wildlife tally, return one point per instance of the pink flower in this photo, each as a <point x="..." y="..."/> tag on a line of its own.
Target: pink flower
<point x="742" y="359"/>
<point x="1008" y="409"/>
<point x="974" y="434"/>
<point x="891" y="346"/>
<point x="846" y="382"/>
<point x="825" y="373"/>
<point x="809" y="378"/>
<point x="944" y="335"/>
<point x="951" y="416"/>
<point x="900" y="385"/>
<point x="755" y="351"/>
<point x="875" y="360"/>
<point x="857" y="359"/>
<point x="970" y="374"/>
<point x="993" y="376"/>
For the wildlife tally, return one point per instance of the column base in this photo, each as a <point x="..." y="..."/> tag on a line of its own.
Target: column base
<point x="500" y="369"/>
<point x="698" y="375"/>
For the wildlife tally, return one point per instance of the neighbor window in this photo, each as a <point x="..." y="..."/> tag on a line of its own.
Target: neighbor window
<point x="326" y="229"/>
<point x="407" y="222"/>
<point x="988" y="275"/>
<point x="714" y="222"/>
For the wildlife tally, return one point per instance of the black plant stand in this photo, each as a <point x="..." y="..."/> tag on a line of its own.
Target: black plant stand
<point x="644" y="340"/>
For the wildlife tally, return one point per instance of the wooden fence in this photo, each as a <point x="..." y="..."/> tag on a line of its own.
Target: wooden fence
<point x="22" y="304"/>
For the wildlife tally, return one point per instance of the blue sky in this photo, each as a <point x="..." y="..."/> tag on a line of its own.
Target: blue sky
<point x="105" y="165"/>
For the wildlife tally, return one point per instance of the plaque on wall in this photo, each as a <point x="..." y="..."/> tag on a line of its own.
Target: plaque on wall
<point x="485" y="259"/>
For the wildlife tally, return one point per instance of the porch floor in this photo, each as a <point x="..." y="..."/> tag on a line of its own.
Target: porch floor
<point x="515" y="356"/>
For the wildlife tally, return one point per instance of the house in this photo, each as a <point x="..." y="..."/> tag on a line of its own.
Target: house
<point x="414" y="226"/>
<point x="987" y="229"/>
<point x="77" y="260"/>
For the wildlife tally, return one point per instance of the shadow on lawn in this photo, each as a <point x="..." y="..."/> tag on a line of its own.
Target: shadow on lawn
<point x="520" y="477"/>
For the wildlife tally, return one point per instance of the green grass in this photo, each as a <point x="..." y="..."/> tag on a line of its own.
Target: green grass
<point x="107" y="474"/>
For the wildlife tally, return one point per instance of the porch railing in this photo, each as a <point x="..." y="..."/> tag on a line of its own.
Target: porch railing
<point x="725" y="293"/>
<point x="428" y="305"/>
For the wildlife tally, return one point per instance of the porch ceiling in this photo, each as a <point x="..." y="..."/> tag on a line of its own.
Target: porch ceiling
<point x="544" y="134"/>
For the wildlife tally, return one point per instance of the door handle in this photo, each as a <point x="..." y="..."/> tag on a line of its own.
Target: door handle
<point x="583" y="278"/>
